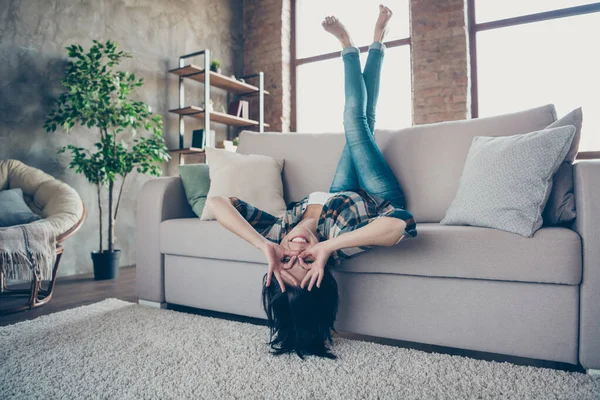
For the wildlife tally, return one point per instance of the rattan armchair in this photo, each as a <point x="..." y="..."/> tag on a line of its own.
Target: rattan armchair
<point x="59" y="205"/>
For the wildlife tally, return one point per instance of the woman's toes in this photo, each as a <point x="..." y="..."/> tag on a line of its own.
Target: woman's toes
<point x="385" y="10"/>
<point x="337" y="29"/>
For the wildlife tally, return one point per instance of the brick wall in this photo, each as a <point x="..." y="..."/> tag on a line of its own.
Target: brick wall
<point x="440" y="66"/>
<point x="440" y="62"/>
<point x="267" y="48"/>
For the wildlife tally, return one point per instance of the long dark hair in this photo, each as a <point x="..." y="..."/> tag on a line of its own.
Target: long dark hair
<point x="301" y="321"/>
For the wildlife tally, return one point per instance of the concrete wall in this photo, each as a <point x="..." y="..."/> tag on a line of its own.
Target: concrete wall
<point x="33" y="35"/>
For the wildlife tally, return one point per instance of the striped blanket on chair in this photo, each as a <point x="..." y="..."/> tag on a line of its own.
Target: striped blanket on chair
<point x="27" y="250"/>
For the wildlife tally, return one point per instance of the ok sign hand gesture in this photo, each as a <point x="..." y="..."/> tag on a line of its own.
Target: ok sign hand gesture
<point x="314" y="259"/>
<point x="275" y="254"/>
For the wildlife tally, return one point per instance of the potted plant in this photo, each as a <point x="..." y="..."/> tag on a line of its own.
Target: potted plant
<point x="98" y="97"/>
<point x="215" y="66"/>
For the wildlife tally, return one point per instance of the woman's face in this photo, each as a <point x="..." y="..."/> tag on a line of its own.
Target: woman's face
<point x="296" y="241"/>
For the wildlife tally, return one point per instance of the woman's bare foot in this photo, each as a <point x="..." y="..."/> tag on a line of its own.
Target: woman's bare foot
<point x="336" y="28"/>
<point x="385" y="14"/>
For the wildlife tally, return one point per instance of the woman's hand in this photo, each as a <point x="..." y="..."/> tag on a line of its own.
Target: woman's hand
<point x="314" y="259"/>
<point x="275" y="254"/>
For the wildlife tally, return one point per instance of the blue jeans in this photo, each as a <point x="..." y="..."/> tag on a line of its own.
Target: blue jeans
<point x="362" y="165"/>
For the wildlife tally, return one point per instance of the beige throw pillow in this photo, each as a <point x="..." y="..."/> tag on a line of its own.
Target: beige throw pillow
<point x="253" y="178"/>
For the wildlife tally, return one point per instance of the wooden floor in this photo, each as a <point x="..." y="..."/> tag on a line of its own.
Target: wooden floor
<point x="81" y="290"/>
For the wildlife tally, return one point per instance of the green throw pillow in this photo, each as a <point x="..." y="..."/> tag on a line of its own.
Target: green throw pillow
<point x="196" y="182"/>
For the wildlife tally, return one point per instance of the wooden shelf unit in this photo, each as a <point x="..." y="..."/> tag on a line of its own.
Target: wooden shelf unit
<point x="215" y="116"/>
<point x="187" y="150"/>
<point x="231" y="85"/>
<point x="221" y="81"/>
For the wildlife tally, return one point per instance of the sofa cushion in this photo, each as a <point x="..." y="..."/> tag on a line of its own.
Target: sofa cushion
<point x="253" y="178"/>
<point x="561" y="203"/>
<point x="196" y="238"/>
<point x="507" y="180"/>
<point x="14" y="210"/>
<point x="428" y="160"/>
<point x="552" y="255"/>
<point x="196" y="183"/>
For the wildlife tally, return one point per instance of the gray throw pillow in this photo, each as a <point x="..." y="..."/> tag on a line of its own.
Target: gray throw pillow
<point x="506" y="180"/>
<point x="14" y="210"/>
<point x="196" y="183"/>
<point x="560" y="207"/>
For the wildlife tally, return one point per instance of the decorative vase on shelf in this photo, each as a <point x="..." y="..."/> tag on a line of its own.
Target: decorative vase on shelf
<point x="229" y="146"/>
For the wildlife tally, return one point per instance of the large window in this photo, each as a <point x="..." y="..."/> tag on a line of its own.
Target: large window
<point x="318" y="87"/>
<point x="529" y="53"/>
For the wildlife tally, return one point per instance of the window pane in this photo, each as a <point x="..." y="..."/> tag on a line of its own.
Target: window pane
<point x="320" y="93"/>
<point x="490" y="10"/>
<point x="359" y="19"/>
<point x="539" y="63"/>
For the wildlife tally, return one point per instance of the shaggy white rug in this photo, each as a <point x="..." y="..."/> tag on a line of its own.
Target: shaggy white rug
<point x="120" y="350"/>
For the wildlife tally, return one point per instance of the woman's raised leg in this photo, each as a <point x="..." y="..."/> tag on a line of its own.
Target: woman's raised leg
<point x="372" y="71"/>
<point x="366" y="167"/>
<point x="371" y="76"/>
<point x="374" y="173"/>
<point x="346" y="177"/>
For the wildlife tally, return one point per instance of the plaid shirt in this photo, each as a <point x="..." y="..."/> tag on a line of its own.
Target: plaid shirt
<point x="342" y="213"/>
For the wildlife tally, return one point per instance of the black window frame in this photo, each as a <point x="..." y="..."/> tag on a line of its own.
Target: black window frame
<point x="474" y="28"/>
<point x="295" y="62"/>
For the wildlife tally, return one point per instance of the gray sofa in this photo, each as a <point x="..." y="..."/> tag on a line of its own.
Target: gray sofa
<point x="458" y="286"/>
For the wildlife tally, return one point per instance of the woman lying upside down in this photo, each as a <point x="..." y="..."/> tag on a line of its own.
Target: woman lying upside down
<point x="364" y="208"/>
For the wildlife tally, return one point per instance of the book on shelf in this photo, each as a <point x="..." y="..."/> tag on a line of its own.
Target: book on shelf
<point x="239" y="108"/>
<point x="198" y="138"/>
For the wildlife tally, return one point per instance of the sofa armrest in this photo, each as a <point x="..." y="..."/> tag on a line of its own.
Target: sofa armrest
<point x="586" y="175"/>
<point x="159" y="199"/>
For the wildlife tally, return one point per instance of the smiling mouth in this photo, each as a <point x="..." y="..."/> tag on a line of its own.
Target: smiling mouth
<point x="299" y="239"/>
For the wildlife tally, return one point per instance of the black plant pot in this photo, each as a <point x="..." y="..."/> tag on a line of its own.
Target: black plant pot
<point x="106" y="264"/>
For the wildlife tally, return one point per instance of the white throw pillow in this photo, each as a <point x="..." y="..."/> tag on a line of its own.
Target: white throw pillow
<point x="506" y="180"/>
<point x="253" y="178"/>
